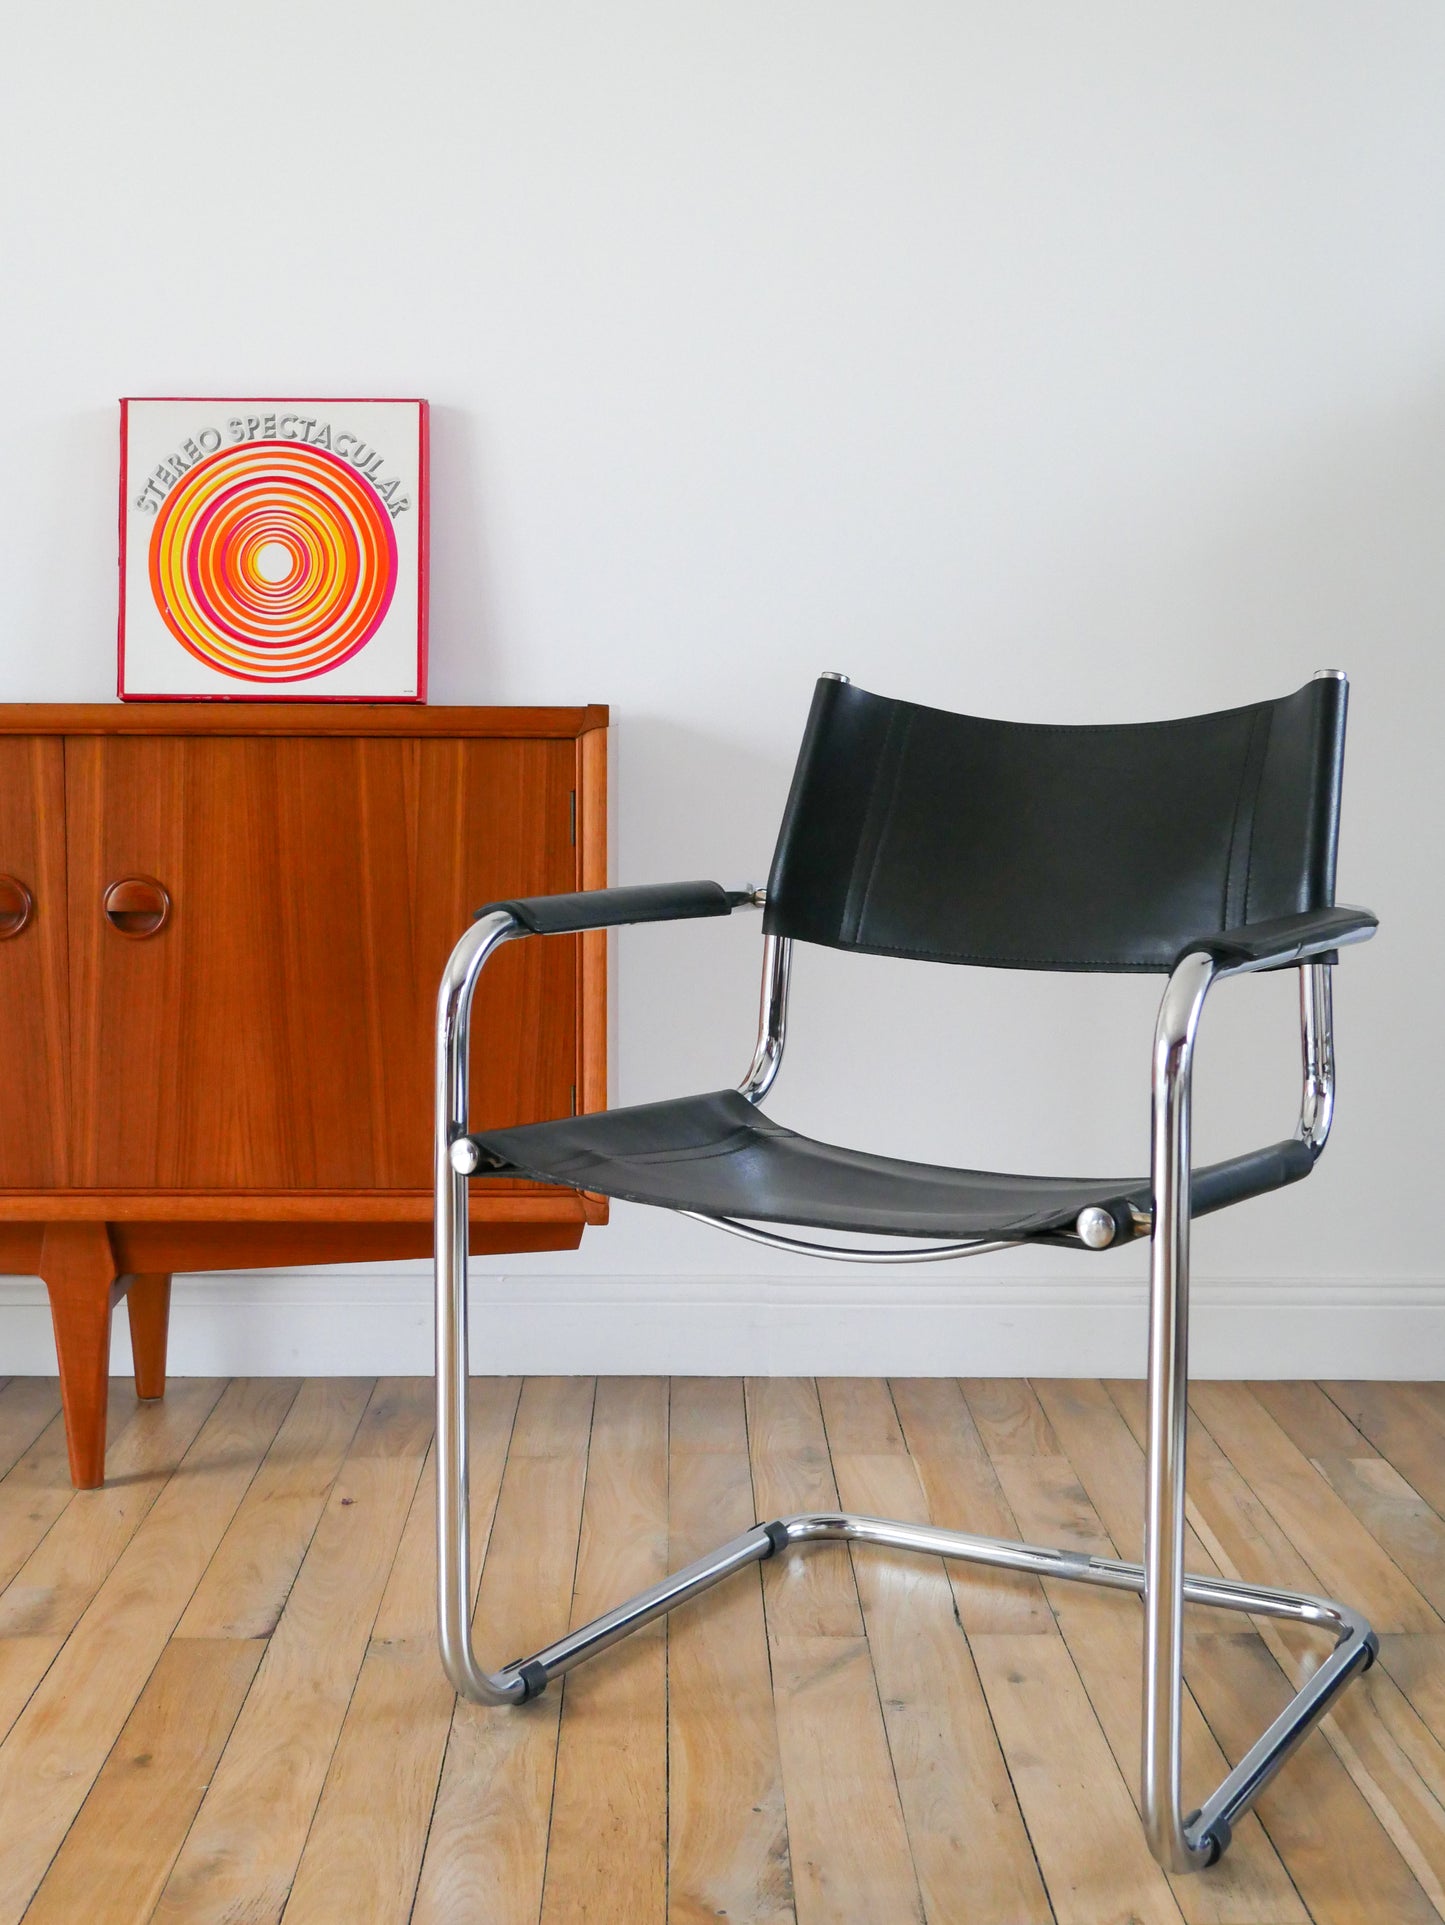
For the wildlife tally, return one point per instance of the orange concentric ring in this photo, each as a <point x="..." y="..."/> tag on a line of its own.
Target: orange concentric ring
<point x="272" y="562"/>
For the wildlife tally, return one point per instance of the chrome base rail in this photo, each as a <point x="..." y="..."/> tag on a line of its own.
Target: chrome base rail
<point x="1207" y="1831"/>
<point x="1179" y="1842"/>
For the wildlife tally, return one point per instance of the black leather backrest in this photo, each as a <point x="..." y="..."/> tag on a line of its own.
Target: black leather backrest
<point x="910" y="831"/>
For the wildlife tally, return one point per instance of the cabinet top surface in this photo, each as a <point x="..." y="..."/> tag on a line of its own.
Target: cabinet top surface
<point x="293" y="718"/>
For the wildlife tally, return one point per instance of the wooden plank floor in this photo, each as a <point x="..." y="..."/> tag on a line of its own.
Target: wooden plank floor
<point x="220" y="1698"/>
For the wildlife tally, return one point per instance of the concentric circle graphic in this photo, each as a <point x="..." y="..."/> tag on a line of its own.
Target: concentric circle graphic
<point x="272" y="561"/>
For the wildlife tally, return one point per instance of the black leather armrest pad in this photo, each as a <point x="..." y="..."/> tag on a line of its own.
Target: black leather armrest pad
<point x="1286" y="939"/>
<point x="608" y="908"/>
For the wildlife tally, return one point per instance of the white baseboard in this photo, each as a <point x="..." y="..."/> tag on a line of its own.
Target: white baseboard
<point x="365" y="1322"/>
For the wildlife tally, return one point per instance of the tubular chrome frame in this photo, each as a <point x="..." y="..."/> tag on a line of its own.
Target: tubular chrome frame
<point x="772" y="1018"/>
<point x="1317" y="1051"/>
<point x="1180" y="1843"/>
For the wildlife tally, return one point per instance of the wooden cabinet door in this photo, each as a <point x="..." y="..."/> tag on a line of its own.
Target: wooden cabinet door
<point x="33" y="1004"/>
<point x="276" y="1032"/>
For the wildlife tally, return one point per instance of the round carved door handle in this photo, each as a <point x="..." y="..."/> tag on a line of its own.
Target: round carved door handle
<point x="137" y="906"/>
<point x="17" y="906"/>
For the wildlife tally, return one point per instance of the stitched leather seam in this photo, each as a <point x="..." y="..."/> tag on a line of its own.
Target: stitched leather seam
<point x="1235" y="906"/>
<point x="1226" y="920"/>
<point x="1263" y="761"/>
<point x="895" y="788"/>
<point x="881" y="805"/>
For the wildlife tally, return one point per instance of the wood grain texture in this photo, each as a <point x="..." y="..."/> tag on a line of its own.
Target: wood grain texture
<point x="78" y="1269"/>
<point x="612" y="1748"/>
<point x="295" y="718"/>
<point x="517" y="1223"/>
<point x="27" y="1405"/>
<point x="877" y="1748"/>
<point x="117" y="1854"/>
<point x="1346" y="1559"/>
<point x="849" y="1846"/>
<point x="248" y="1580"/>
<point x="1347" y="1817"/>
<point x="33" y="1494"/>
<point x="1110" y="1464"/>
<point x="37" y="1488"/>
<point x="318" y="885"/>
<point x="363" y="1852"/>
<point x="940" y="1732"/>
<point x="142" y="1213"/>
<point x="727" y="1832"/>
<point x="487" y="1849"/>
<point x="848" y="1840"/>
<point x="57" y="1745"/>
<point x="1080" y="1815"/>
<point x="1339" y="1854"/>
<point x="1404" y="1425"/>
<point x="148" y="1308"/>
<point x="1417" y="1664"/>
<point x="71" y="1557"/>
<point x="242" y="1851"/>
<point x="1019" y="1669"/>
<point x="1105" y="1641"/>
<point x="1398" y="1762"/>
<point x="34" y="1002"/>
<point x="963" y="1493"/>
<point x="1394" y="1514"/>
<point x="809" y="1593"/>
<point x="248" y="1082"/>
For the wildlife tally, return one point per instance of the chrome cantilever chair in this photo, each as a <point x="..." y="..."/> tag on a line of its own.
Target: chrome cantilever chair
<point x="1195" y="849"/>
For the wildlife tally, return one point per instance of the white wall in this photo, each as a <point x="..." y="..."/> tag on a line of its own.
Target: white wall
<point x="1072" y="363"/>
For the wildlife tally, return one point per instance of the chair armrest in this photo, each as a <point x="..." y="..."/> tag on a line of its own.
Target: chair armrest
<point x="608" y="908"/>
<point x="1285" y="939"/>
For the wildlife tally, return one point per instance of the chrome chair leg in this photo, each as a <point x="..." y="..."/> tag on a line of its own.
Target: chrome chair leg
<point x="1183" y="1843"/>
<point x="1180" y="1844"/>
<point x="1168" y="1414"/>
<point x="454" y="1555"/>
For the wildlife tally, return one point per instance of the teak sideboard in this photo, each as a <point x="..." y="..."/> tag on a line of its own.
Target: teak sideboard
<point x="221" y="932"/>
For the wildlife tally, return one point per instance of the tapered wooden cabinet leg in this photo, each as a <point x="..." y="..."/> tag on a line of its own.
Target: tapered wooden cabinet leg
<point x="148" y="1304"/>
<point x="77" y="1266"/>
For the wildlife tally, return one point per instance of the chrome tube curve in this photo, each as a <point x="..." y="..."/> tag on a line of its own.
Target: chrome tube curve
<point x="1353" y="1641"/>
<point x="1317" y="1050"/>
<point x="1208" y="1830"/>
<point x="750" y="1547"/>
<point x="1177" y="1846"/>
<point x="454" y="1561"/>
<point x="772" y="1019"/>
<point x="1168" y="1395"/>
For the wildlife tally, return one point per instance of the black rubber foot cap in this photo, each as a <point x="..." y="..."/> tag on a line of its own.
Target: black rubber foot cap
<point x="777" y="1534"/>
<point x="1372" y="1649"/>
<point x="1218" y="1838"/>
<point x="534" y="1678"/>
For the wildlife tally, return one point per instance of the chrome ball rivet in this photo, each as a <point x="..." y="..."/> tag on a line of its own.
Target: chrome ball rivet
<point x="465" y="1156"/>
<point x="1095" y="1228"/>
